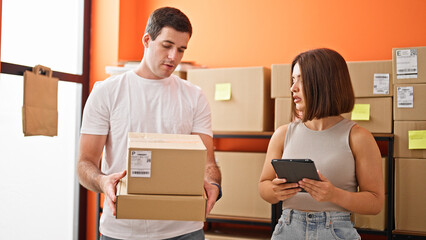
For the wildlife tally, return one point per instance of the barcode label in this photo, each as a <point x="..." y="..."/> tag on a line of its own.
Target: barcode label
<point x="405" y="96"/>
<point x="406" y="63"/>
<point x="140" y="164"/>
<point x="141" y="172"/>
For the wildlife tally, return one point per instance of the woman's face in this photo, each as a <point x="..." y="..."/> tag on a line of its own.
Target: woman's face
<point x="297" y="89"/>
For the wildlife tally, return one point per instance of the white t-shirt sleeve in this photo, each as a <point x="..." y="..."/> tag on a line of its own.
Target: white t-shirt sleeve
<point x="202" y="117"/>
<point x="96" y="112"/>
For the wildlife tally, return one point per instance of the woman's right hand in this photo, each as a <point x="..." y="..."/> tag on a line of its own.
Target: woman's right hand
<point x="283" y="190"/>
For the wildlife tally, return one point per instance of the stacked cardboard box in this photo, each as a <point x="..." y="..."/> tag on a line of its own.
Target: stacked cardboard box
<point x="409" y="77"/>
<point x="240" y="177"/>
<point x="165" y="177"/>
<point x="239" y="98"/>
<point x="280" y="91"/>
<point x="372" y="84"/>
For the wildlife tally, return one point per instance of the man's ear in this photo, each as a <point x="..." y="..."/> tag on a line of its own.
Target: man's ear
<point x="146" y="39"/>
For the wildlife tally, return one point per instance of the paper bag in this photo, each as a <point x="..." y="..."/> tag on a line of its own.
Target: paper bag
<point x="40" y="109"/>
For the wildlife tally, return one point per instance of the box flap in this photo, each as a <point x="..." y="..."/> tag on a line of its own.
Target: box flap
<point x="165" y="141"/>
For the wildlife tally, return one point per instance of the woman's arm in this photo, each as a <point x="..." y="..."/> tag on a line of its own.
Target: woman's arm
<point x="271" y="188"/>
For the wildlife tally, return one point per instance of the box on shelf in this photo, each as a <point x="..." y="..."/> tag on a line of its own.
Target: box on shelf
<point x="373" y="222"/>
<point x="181" y="74"/>
<point x="409" y="102"/>
<point x="240" y="176"/>
<point x="159" y="207"/>
<point x="374" y="114"/>
<point x="371" y="78"/>
<point x="410" y="194"/>
<point x="165" y="164"/>
<point x="282" y="111"/>
<point x="280" y="80"/>
<point x="239" y="97"/>
<point x="409" y="134"/>
<point x="409" y="65"/>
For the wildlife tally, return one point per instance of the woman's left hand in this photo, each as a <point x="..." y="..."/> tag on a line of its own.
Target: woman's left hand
<point x="322" y="191"/>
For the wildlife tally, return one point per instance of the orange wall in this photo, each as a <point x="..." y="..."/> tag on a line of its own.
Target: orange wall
<point x="260" y="33"/>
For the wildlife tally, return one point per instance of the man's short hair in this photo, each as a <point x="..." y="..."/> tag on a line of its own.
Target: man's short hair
<point x="326" y="84"/>
<point x="167" y="17"/>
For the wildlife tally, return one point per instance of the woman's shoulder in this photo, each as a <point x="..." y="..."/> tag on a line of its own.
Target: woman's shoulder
<point x="360" y="135"/>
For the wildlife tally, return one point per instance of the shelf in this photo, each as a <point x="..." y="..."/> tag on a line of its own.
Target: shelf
<point x="401" y="234"/>
<point x="237" y="219"/>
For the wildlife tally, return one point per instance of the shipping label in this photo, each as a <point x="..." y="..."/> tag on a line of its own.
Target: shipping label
<point x="405" y="97"/>
<point x="381" y="83"/>
<point x="140" y="164"/>
<point x="406" y="63"/>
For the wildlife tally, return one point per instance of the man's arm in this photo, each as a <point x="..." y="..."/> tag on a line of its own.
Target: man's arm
<point x="212" y="172"/>
<point x="89" y="174"/>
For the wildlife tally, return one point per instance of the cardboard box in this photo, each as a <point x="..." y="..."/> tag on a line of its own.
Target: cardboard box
<point x="409" y="65"/>
<point x="373" y="222"/>
<point x="401" y="139"/>
<point x="410" y="194"/>
<point x="280" y="80"/>
<point x="282" y="111"/>
<point x="409" y="102"/>
<point x="181" y="74"/>
<point x="380" y="116"/>
<point x="240" y="176"/>
<point x="371" y="78"/>
<point x="239" y="97"/>
<point x="159" y="207"/>
<point x="165" y="164"/>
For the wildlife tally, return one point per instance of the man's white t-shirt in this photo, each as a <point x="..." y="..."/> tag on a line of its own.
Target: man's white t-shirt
<point x="130" y="103"/>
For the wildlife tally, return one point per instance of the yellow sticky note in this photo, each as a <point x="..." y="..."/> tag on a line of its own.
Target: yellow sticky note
<point x="222" y="92"/>
<point x="417" y="139"/>
<point x="361" y="112"/>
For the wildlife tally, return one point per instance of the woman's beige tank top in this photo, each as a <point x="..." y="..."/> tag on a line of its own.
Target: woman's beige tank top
<point x="333" y="157"/>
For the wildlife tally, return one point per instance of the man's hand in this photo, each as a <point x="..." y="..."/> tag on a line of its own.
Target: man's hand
<point x="212" y="192"/>
<point x="108" y="184"/>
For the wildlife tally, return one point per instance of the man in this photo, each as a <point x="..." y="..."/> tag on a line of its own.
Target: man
<point x="149" y="99"/>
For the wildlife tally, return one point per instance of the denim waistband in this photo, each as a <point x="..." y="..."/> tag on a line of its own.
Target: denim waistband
<point x="319" y="217"/>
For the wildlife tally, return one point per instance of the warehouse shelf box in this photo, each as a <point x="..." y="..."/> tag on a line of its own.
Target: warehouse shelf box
<point x="239" y="97"/>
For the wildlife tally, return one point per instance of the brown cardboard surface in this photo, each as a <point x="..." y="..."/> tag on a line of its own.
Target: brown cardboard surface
<point x="250" y="108"/>
<point x="280" y="80"/>
<point x="177" y="164"/>
<point x="240" y="177"/>
<point x="362" y="76"/>
<point x="401" y="129"/>
<point x="380" y="114"/>
<point x="418" y="112"/>
<point x="159" y="207"/>
<point x="282" y="111"/>
<point x="421" y="66"/>
<point x="373" y="222"/>
<point x="410" y="194"/>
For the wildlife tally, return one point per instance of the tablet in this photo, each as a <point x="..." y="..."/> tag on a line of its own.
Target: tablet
<point x="295" y="170"/>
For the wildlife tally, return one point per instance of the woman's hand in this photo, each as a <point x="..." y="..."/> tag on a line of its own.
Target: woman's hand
<point x="322" y="191"/>
<point x="283" y="190"/>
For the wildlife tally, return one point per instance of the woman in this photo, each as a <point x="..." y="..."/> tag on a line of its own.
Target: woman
<point x="345" y="154"/>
